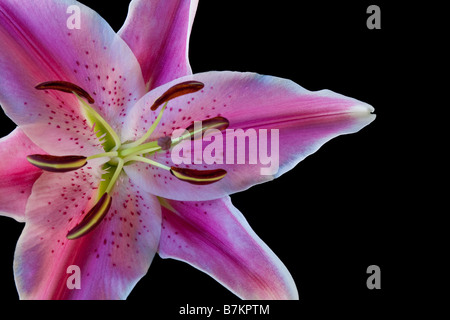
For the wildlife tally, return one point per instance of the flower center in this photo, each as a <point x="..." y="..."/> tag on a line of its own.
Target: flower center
<point x="123" y="154"/>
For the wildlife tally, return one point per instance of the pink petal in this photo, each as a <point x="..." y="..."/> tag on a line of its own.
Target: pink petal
<point x="38" y="46"/>
<point x="158" y="33"/>
<point x="17" y="175"/>
<point x="305" y="120"/>
<point x="214" y="237"/>
<point x="111" y="258"/>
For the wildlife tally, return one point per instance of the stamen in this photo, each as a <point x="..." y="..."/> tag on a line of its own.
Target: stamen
<point x="198" y="177"/>
<point x="92" y="218"/>
<point x="219" y="123"/>
<point x="65" y="86"/>
<point x="177" y="90"/>
<point x="57" y="163"/>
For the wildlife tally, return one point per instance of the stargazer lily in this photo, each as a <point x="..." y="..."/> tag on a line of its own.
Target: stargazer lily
<point x="89" y="167"/>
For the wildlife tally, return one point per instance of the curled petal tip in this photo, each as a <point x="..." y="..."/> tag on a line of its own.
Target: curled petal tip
<point x="364" y="109"/>
<point x="363" y="113"/>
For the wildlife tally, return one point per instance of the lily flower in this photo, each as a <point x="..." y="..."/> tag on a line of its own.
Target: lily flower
<point x="89" y="167"/>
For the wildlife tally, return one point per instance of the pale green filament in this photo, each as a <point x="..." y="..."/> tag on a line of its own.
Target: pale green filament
<point x="102" y="155"/>
<point x="141" y="149"/>
<point x="184" y="136"/>
<point x="146" y="160"/>
<point x="142" y="139"/>
<point x="117" y="172"/>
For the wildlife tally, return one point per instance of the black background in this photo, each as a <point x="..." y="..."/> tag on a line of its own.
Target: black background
<point x="341" y="209"/>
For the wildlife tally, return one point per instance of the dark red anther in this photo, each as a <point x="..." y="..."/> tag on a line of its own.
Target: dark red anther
<point x="198" y="177"/>
<point x="177" y="90"/>
<point x="57" y="163"/>
<point x="65" y="86"/>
